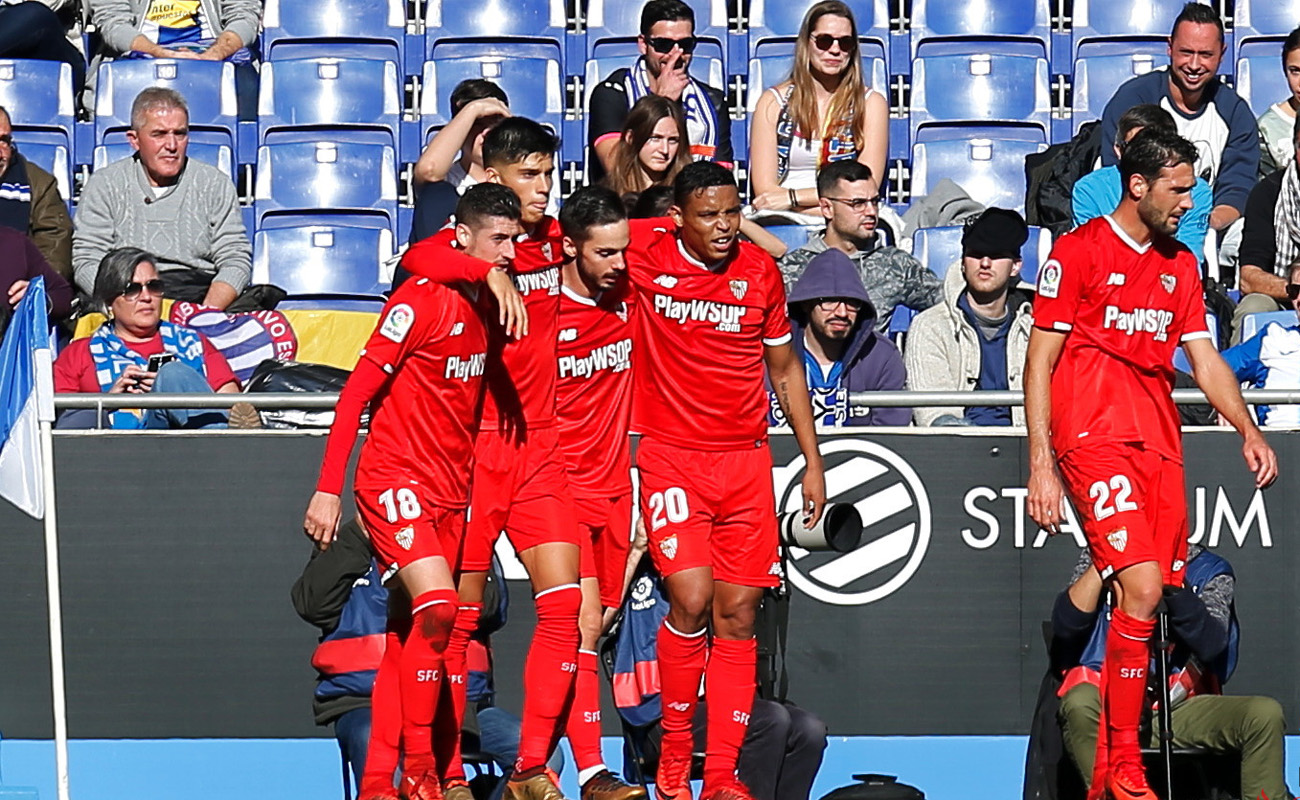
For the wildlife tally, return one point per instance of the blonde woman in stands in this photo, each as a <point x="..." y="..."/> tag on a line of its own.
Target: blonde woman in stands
<point x="824" y="112"/>
<point x="653" y="147"/>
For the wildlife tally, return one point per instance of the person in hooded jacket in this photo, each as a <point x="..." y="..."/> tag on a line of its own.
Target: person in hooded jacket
<point x="977" y="337"/>
<point x="833" y="323"/>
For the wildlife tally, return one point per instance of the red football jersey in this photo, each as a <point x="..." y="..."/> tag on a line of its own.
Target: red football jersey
<point x="700" y="336"/>
<point x="1124" y="307"/>
<point x="432" y="342"/>
<point x="593" y="396"/>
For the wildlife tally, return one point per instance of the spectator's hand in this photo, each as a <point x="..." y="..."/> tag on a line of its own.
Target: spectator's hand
<point x="133" y="380"/>
<point x="773" y="200"/>
<point x="186" y="54"/>
<point x="1260" y="458"/>
<point x="17" y="290"/>
<point x="514" y="317"/>
<point x="489" y="107"/>
<point x="321" y="523"/>
<point x="672" y="80"/>
<point x="814" y="495"/>
<point x="1046" y="500"/>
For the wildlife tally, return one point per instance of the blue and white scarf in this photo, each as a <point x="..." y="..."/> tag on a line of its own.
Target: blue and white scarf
<point x="701" y="117"/>
<point x="111" y="357"/>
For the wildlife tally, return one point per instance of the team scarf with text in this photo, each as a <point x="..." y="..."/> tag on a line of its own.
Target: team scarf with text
<point x="701" y="117"/>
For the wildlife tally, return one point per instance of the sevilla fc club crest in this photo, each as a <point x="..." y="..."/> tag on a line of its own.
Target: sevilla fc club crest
<point x="1118" y="539"/>
<point x="738" y="288"/>
<point x="1168" y="281"/>
<point x="546" y="250"/>
<point x="622" y="312"/>
<point x="406" y="537"/>
<point x="669" y="547"/>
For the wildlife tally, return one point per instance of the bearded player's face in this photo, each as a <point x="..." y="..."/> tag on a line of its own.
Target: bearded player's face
<point x="709" y="222"/>
<point x="600" y="255"/>
<point x="1167" y="199"/>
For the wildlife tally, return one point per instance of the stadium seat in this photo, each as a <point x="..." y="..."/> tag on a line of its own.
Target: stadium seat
<point x="939" y="248"/>
<point x="1106" y="66"/>
<point x="1004" y="19"/>
<point x="1124" y="19"/>
<point x="356" y="99"/>
<point x="1254" y="19"/>
<point x="1260" y="80"/>
<point x="336" y="28"/>
<point x="956" y="82"/>
<point x="323" y="260"/>
<point x="614" y="24"/>
<point x="1182" y="364"/>
<point x="324" y="183"/>
<point x="991" y="170"/>
<point x="208" y="88"/>
<point x="55" y="159"/>
<point x="534" y="82"/>
<point x="1252" y="324"/>
<point x="495" y="19"/>
<point x="38" y="96"/>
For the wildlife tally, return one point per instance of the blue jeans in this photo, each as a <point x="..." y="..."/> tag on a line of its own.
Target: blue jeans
<point x="353" y="733"/>
<point x="174" y="377"/>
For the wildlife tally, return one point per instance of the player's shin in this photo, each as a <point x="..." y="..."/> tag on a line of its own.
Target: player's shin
<point x="1128" y="656"/>
<point x="583" y="725"/>
<point x="682" y="657"/>
<point x="385" y="722"/>
<point x="456" y="665"/>
<point x="422" y="672"/>
<point x="729" y="685"/>
<point x="548" y="674"/>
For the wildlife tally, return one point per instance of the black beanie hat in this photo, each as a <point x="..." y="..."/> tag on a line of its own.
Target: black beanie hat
<point x="996" y="233"/>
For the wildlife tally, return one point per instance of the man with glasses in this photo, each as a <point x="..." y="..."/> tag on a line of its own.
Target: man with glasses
<point x="976" y="338"/>
<point x="832" y="327"/>
<point x="1270" y="240"/>
<point x="1268" y="360"/>
<point x="849" y="199"/>
<point x="666" y="43"/>
<point x="30" y="202"/>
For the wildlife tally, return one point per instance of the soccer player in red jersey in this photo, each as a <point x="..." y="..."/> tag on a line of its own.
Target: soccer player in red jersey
<point x="421" y="371"/>
<point x="594" y="407"/>
<point x="1114" y="300"/>
<point x="711" y="313"/>
<point x="520" y="483"/>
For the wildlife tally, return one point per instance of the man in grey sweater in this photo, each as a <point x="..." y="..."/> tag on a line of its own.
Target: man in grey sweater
<point x="185" y="212"/>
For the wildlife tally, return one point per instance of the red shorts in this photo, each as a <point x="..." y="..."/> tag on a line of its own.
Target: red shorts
<point x="405" y="527"/>
<point x="520" y="488"/>
<point x="605" y="536"/>
<point x="1133" y="506"/>
<point x="710" y="508"/>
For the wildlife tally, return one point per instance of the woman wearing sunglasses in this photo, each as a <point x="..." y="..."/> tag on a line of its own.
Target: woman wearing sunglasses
<point x="137" y="352"/>
<point x="653" y="148"/>
<point x="823" y="112"/>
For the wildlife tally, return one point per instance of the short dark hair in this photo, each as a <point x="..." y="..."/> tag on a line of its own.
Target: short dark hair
<point x="1146" y="115"/>
<point x="467" y="91"/>
<point x="483" y="201"/>
<point x="116" y="270"/>
<point x="590" y="207"/>
<point x="1198" y="14"/>
<point x="1153" y="150"/>
<point x="653" y="202"/>
<point x="848" y="169"/>
<point x="514" y="140"/>
<point x="697" y="176"/>
<point x="665" y="11"/>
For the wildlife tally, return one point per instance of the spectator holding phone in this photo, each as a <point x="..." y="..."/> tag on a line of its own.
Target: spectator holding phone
<point x="137" y="352"/>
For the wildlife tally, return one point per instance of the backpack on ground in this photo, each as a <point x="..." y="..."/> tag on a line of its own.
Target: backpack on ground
<point x="871" y="786"/>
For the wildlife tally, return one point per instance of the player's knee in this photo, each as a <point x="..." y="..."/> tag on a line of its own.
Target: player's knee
<point x="734" y="618"/>
<point x="1080" y="708"/>
<point x="807" y="731"/>
<point x="690" y="607"/>
<point x="434" y="623"/>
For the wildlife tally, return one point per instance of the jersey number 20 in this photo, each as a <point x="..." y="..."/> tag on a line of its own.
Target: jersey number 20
<point x="670" y="503"/>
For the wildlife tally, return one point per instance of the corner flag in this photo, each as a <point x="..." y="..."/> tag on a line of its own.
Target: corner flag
<point x="26" y="400"/>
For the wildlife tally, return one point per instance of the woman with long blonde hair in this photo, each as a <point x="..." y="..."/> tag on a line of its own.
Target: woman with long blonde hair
<point x="653" y="147"/>
<point x="823" y="112"/>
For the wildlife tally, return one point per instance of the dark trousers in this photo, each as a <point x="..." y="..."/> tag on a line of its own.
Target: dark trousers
<point x="435" y="203"/>
<point x="32" y="30"/>
<point x="781" y="753"/>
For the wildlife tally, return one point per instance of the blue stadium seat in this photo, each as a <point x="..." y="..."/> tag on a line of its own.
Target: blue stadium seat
<point x="990" y="169"/>
<point x="1253" y="19"/>
<point x="614" y="24"/>
<point x="1260" y="80"/>
<point x="1182" y="364"/>
<point x="794" y="236"/>
<point x="208" y="88"/>
<point x="55" y="159"/>
<point x="955" y="82"/>
<point x="939" y="248"/>
<point x="323" y="260"/>
<point x="358" y="99"/>
<point x="534" y="82"/>
<point x="495" y="19"/>
<point x="1252" y="324"/>
<point x="1149" y="20"/>
<point x="1004" y="19"/>
<point x="337" y="28"/>
<point x="327" y="182"/>
<point x="39" y="98"/>
<point x="1105" y="67"/>
<point x="216" y="155"/>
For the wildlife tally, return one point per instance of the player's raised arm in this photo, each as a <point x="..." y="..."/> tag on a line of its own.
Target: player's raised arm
<point x="1217" y="380"/>
<point x="1046" y="502"/>
<point x="785" y="370"/>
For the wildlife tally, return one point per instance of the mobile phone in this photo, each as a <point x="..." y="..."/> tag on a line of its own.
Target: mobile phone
<point x="157" y="360"/>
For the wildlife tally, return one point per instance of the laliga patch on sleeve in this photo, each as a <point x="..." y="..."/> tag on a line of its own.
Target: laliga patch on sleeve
<point x="1049" y="279"/>
<point x="398" y="322"/>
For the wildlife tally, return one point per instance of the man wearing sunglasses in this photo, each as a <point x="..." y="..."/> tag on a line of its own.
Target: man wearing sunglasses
<point x="666" y="43"/>
<point x="1271" y="358"/>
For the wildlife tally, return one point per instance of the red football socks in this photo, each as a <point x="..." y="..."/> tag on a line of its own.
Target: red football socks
<point x="385" y="721"/>
<point x="729" y="684"/>
<point x="548" y="673"/>
<point x="583" y="726"/>
<point x="432" y="616"/>
<point x="1128" y="656"/>
<point x="447" y="726"/>
<point x="682" y="657"/>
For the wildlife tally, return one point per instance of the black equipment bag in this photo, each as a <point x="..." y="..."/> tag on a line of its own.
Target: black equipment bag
<point x="876" y="787"/>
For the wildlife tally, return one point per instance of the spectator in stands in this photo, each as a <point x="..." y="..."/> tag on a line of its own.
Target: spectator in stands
<point x="653" y="148"/>
<point x="207" y="30"/>
<point x="849" y="200"/>
<point x="136" y="352"/>
<point x="477" y="105"/>
<point x="1098" y="192"/>
<point x="30" y="201"/>
<point x="20" y="262"/>
<point x="35" y="29"/>
<point x="666" y="43"/>
<point x="833" y="325"/>
<point x="1270" y="240"/>
<point x="1276" y="123"/>
<point x="1206" y="111"/>
<point x="825" y="112"/>
<point x="1268" y="360"/>
<point x="1204" y="629"/>
<point x="185" y="212"/>
<point x="976" y="338"/>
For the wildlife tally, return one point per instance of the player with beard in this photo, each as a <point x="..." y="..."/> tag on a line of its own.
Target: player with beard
<point x="711" y="316"/>
<point x="1114" y="300"/>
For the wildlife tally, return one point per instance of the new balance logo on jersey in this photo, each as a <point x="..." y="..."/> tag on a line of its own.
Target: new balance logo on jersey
<point x="462" y="369"/>
<point x="568" y="334"/>
<point x="1115" y="279"/>
<point x="457" y="329"/>
<point x="725" y="318"/>
<point x="1140" y="320"/>
<point x="547" y="279"/>
<point x="614" y="357"/>
<point x="666" y="281"/>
